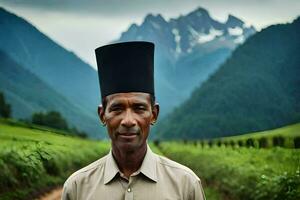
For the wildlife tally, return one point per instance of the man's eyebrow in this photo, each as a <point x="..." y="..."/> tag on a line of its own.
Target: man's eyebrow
<point x="115" y="104"/>
<point x="119" y="103"/>
<point x="140" y="104"/>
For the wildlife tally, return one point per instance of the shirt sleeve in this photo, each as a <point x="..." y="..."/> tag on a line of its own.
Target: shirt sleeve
<point x="197" y="192"/>
<point x="67" y="193"/>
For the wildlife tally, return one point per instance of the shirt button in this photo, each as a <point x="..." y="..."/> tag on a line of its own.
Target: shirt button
<point x="129" y="190"/>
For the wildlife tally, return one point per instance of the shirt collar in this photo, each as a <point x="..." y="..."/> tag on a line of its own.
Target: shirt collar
<point x="148" y="167"/>
<point x="111" y="168"/>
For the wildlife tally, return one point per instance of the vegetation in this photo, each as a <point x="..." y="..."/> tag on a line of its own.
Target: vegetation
<point x="5" y="109"/>
<point x="242" y="173"/>
<point x="45" y="76"/>
<point x="55" y="120"/>
<point x="32" y="159"/>
<point x="287" y="137"/>
<point x="52" y="119"/>
<point x="29" y="94"/>
<point x="256" y="89"/>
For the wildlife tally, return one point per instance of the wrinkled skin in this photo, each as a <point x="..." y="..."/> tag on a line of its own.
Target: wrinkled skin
<point x="128" y="117"/>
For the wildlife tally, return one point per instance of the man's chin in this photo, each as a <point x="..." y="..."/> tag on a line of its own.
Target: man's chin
<point x="128" y="146"/>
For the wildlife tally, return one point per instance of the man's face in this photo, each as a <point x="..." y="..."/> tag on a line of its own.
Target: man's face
<point x="128" y="117"/>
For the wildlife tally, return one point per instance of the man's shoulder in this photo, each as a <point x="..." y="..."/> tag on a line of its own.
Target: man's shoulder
<point x="85" y="171"/>
<point x="177" y="168"/>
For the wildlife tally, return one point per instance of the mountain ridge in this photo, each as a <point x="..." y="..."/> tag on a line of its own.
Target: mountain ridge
<point x="27" y="94"/>
<point x="60" y="69"/>
<point x="256" y="89"/>
<point x="188" y="49"/>
<point x="45" y="58"/>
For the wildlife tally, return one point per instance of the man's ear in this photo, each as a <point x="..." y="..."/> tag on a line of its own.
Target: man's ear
<point x="155" y="112"/>
<point x="101" y="112"/>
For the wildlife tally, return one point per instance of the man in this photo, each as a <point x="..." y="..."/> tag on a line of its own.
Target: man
<point x="130" y="170"/>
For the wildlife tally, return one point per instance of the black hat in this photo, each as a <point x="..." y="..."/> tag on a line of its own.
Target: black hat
<point x="126" y="67"/>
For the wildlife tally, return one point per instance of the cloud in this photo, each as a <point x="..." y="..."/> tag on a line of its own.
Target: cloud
<point x="101" y="7"/>
<point x="115" y="8"/>
<point x="168" y="8"/>
<point x="97" y="22"/>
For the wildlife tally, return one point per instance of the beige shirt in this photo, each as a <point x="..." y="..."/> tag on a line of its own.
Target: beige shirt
<point x="157" y="179"/>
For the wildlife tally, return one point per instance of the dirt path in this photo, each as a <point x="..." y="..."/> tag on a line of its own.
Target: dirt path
<point x="55" y="194"/>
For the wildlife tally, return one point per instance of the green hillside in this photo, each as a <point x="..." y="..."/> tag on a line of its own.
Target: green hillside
<point x="290" y="131"/>
<point x="256" y="89"/>
<point x="59" y="68"/>
<point x="32" y="160"/>
<point x="26" y="94"/>
<point x="287" y="136"/>
<point x="70" y="79"/>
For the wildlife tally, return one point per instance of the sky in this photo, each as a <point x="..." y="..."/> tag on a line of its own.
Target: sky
<point x="81" y="26"/>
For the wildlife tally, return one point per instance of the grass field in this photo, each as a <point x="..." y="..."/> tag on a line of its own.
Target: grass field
<point x="36" y="158"/>
<point x="241" y="172"/>
<point x="287" y="132"/>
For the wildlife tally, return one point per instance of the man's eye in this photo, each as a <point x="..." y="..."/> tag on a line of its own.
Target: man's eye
<point x="116" y="109"/>
<point x="141" y="108"/>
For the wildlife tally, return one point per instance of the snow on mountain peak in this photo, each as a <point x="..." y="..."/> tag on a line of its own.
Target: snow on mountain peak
<point x="181" y="35"/>
<point x="213" y="33"/>
<point x="239" y="40"/>
<point x="177" y="40"/>
<point x="235" y="31"/>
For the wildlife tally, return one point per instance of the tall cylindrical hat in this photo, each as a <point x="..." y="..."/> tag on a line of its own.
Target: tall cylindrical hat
<point x="126" y="67"/>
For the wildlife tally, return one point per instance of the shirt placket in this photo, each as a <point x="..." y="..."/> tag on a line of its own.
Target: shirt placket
<point x="130" y="190"/>
<point x="129" y="194"/>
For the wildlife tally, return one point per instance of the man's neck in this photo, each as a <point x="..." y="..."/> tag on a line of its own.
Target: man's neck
<point x="129" y="161"/>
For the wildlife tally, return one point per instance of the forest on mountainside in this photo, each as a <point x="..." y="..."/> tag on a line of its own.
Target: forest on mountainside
<point x="257" y="88"/>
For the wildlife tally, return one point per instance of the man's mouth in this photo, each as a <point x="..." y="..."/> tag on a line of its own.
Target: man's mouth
<point x="128" y="136"/>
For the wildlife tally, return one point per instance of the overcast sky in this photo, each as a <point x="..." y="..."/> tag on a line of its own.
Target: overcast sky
<point x="81" y="26"/>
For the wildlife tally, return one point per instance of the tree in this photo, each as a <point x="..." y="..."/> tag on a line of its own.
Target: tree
<point x="51" y="119"/>
<point x="5" y="109"/>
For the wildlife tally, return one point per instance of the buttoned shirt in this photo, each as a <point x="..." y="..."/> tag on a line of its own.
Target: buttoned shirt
<point x="158" y="178"/>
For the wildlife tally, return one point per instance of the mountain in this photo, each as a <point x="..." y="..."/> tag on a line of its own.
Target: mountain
<point x="257" y="88"/>
<point x="59" y="68"/>
<point x="62" y="71"/>
<point x="26" y="93"/>
<point x="188" y="50"/>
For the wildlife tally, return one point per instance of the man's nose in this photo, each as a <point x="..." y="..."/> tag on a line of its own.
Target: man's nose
<point x="128" y="120"/>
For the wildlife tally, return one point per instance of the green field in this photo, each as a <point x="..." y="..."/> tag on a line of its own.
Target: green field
<point x="285" y="137"/>
<point x="235" y="172"/>
<point x="33" y="159"/>
<point x="287" y="132"/>
<point x="242" y="173"/>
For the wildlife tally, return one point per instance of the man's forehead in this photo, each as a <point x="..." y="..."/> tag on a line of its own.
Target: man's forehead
<point x="135" y="96"/>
